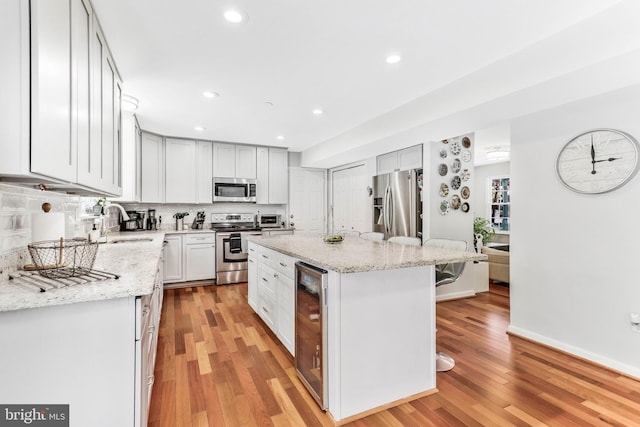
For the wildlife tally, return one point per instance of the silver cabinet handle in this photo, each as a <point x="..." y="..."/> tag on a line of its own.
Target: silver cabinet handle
<point x="264" y="256"/>
<point x="265" y="309"/>
<point x="275" y="275"/>
<point x="250" y="260"/>
<point x="283" y="264"/>
<point x="151" y="379"/>
<point x="265" y="280"/>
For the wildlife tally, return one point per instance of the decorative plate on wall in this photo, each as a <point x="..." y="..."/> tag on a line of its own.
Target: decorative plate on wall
<point x="455" y="147"/>
<point x="444" y="190"/>
<point x="455" y="182"/>
<point x="455" y="202"/>
<point x="443" y="153"/>
<point x="456" y="165"/>
<point x="444" y="207"/>
<point x="465" y="207"/>
<point x="465" y="192"/>
<point x="465" y="175"/>
<point x="443" y="169"/>
<point x="466" y="142"/>
<point x="466" y="155"/>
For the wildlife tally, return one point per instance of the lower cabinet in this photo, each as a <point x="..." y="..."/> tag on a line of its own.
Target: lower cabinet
<point x="190" y="256"/>
<point x="86" y="355"/>
<point x="200" y="256"/>
<point x="252" y="267"/>
<point x="173" y="254"/>
<point x="272" y="289"/>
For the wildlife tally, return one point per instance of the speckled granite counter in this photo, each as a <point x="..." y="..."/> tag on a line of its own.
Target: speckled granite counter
<point x="136" y="263"/>
<point x="357" y="255"/>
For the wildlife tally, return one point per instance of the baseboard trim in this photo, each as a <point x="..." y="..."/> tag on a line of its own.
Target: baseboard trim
<point x="587" y="356"/>
<point x="455" y="295"/>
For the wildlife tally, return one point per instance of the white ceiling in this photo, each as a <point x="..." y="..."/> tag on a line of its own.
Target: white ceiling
<point x="467" y="65"/>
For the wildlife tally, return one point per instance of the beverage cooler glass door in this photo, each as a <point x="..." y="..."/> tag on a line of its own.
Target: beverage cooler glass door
<point x="311" y="330"/>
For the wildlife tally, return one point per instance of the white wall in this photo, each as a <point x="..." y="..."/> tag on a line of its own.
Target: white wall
<point x="574" y="257"/>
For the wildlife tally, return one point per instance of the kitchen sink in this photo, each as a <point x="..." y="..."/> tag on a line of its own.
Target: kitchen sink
<point x="137" y="239"/>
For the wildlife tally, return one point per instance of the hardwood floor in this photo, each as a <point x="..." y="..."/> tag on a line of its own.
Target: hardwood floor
<point x="219" y="365"/>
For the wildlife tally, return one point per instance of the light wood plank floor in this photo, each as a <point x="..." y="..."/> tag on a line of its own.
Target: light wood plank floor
<point x="218" y="365"/>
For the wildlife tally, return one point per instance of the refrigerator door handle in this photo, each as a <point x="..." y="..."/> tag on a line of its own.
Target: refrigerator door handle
<point x="389" y="211"/>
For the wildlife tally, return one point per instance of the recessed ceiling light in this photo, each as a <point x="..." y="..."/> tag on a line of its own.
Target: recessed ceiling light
<point x="234" y="16"/>
<point x="268" y="104"/>
<point x="393" y="59"/>
<point x="199" y="128"/>
<point x="318" y="111"/>
<point x="280" y="137"/>
<point x="209" y="94"/>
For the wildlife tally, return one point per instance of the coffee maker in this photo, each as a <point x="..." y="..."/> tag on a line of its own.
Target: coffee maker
<point x="152" y="222"/>
<point x="135" y="222"/>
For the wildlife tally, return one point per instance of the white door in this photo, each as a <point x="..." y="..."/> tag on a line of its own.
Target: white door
<point x="351" y="204"/>
<point x="307" y="195"/>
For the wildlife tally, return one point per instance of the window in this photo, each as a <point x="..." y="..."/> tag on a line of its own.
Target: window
<point x="499" y="208"/>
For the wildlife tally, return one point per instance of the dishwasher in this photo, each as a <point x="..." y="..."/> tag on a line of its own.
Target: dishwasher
<point x="311" y="330"/>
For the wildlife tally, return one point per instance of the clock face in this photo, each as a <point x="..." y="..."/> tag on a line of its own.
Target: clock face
<point x="598" y="161"/>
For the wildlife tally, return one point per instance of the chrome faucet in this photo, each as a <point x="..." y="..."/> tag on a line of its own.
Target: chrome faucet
<point x="103" y="229"/>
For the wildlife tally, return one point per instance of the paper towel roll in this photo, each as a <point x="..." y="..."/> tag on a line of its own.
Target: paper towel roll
<point x="47" y="226"/>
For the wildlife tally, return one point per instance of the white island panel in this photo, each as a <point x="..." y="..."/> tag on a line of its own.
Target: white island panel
<point x="381" y="339"/>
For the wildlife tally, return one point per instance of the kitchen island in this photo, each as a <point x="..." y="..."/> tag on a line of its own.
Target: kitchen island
<point x="380" y="316"/>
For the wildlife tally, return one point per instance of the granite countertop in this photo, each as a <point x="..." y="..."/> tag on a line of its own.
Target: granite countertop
<point x="136" y="262"/>
<point x="355" y="254"/>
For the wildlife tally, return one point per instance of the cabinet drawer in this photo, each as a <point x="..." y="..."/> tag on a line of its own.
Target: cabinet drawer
<point x="267" y="257"/>
<point x="267" y="282"/>
<point x="285" y="265"/>
<point x="267" y="309"/>
<point x="200" y="238"/>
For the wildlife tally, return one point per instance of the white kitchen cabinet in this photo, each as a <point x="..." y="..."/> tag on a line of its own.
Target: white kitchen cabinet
<point x="234" y="160"/>
<point x="180" y="171"/>
<point x="245" y="161"/>
<point x="84" y="354"/>
<point x="151" y="168"/>
<point x="405" y="159"/>
<point x="173" y="259"/>
<point x="200" y="256"/>
<point x="252" y="267"/>
<point x="53" y="153"/>
<point x="275" y="299"/>
<point x="131" y="145"/>
<point x="204" y="184"/>
<point x="272" y="171"/>
<point x="51" y="48"/>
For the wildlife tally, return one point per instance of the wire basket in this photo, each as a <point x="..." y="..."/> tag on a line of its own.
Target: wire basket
<point x="63" y="258"/>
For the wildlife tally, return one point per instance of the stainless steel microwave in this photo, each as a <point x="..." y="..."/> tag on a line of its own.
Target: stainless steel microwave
<point x="234" y="190"/>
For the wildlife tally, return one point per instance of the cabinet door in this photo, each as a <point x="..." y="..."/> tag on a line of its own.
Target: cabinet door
<point x="107" y="120"/>
<point x="173" y="271"/>
<point x="252" y="266"/>
<point x="278" y="176"/>
<point x="205" y="172"/>
<point x="410" y="158"/>
<point x="81" y="19"/>
<point x="200" y="262"/>
<point x="180" y="171"/>
<point x="151" y="169"/>
<point x="52" y="151"/>
<point x="387" y="163"/>
<point x="224" y="160"/>
<point x="262" y="175"/>
<point x="245" y="161"/>
<point x="285" y="326"/>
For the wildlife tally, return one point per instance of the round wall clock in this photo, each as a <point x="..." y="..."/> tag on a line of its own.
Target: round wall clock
<point x="598" y="161"/>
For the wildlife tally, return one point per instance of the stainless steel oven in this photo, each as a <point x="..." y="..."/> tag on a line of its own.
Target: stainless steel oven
<point x="231" y="257"/>
<point x="231" y="246"/>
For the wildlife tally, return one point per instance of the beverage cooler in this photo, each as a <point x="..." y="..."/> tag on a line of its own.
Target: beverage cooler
<point x="311" y="330"/>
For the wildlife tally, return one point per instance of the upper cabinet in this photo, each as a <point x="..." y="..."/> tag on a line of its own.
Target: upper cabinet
<point x="204" y="170"/>
<point x="180" y="171"/>
<point x="61" y="93"/>
<point x="408" y="158"/>
<point x="234" y="160"/>
<point x="272" y="175"/>
<point x="151" y="168"/>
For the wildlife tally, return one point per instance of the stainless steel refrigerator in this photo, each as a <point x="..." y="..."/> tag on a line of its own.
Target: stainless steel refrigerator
<point x="397" y="203"/>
